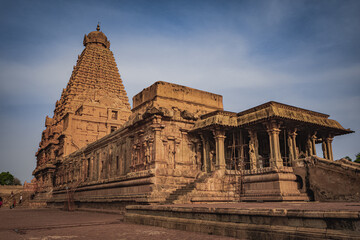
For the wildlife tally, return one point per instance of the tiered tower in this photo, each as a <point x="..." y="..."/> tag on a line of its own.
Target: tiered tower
<point x="93" y="104"/>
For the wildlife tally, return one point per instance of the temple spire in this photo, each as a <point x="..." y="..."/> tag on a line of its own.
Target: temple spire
<point x="98" y="27"/>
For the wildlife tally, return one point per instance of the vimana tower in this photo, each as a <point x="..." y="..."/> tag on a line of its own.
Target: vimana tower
<point x="93" y="104"/>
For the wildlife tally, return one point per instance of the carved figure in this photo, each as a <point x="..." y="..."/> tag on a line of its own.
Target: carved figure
<point x="212" y="156"/>
<point x="147" y="153"/>
<point x="291" y="151"/>
<point x="252" y="155"/>
<point x="133" y="156"/>
<point x="309" y="146"/>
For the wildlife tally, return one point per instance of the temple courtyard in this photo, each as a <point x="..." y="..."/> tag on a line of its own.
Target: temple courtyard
<point x="49" y="224"/>
<point x="267" y="220"/>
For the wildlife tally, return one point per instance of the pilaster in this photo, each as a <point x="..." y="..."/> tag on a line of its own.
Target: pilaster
<point x="157" y="151"/>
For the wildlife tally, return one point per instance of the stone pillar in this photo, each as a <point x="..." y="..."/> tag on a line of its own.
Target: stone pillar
<point x="253" y="149"/>
<point x="313" y="141"/>
<point x="329" y="147"/>
<point x="293" y="153"/>
<point x="309" y="149"/>
<point x="324" y="149"/>
<point x="273" y="129"/>
<point x="219" y="136"/>
<point x="290" y="148"/>
<point x="205" y="157"/>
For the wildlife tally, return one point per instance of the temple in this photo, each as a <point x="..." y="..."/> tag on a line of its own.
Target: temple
<point x="178" y="145"/>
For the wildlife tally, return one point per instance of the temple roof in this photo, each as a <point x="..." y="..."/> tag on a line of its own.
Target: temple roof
<point x="267" y="111"/>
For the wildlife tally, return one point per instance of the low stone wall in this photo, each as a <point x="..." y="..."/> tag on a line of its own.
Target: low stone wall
<point x="6" y="190"/>
<point x="5" y="193"/>
<point x="250" y="223"/>
<point x="112" y="194"/>
<point x="328" y="180"/>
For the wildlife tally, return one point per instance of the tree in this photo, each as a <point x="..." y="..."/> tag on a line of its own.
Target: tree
<point x="348" y="158"/>
<point x="357" y="158"/>
<point x="6" y="178"/>
<point x="17" y="181"/>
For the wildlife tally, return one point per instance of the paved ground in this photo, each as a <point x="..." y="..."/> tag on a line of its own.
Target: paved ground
<point x="51" y="224"/>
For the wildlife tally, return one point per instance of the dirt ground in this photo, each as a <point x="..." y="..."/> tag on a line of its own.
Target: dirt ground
<point x="51" y="224"/>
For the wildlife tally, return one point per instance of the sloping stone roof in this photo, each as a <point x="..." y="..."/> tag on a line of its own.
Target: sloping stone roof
<point x="266" y="111"/>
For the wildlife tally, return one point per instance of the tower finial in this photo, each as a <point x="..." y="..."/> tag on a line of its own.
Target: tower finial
<point x="98" y="27"/>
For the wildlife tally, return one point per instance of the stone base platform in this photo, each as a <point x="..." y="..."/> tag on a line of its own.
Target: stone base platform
<point x="269" y="220"/>
<point x="270" y="184"/>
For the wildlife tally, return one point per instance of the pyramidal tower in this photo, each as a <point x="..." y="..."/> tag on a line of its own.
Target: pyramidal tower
<point x="93" y="104"/>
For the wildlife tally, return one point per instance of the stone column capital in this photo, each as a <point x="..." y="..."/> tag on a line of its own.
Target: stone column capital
<point x="272" y="126"/>
<point x="274" y="131"/>
<point x="219" y="133"/>
<point x="292" y="131"/>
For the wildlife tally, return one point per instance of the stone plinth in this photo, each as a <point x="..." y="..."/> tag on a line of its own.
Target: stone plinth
<point x="269" y="184"/>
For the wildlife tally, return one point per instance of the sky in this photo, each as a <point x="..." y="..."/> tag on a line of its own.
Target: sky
<point x="301" y="53"/>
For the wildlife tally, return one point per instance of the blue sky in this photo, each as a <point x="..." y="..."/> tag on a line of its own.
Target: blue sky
<point x="302" y="53"/>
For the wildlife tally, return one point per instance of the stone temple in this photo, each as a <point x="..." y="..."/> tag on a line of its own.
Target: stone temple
<point x="178" y="145"/>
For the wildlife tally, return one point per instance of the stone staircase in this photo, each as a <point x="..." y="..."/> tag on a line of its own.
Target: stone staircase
<point x="219" y="186"/>
<point x="40" y="200"/>
<point x="179" y="195"/>
<point x="8" y="199"/>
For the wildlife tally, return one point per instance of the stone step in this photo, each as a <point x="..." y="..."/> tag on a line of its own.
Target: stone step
<point x="240" y="221"/>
